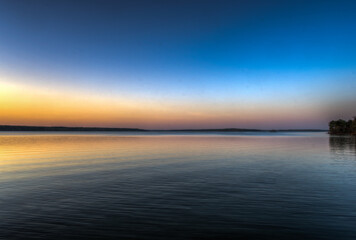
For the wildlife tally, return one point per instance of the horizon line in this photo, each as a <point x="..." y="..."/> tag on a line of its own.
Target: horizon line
<point x="84" y="128"/>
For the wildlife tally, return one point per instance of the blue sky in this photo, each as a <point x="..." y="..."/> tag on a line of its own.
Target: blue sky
<point x="237" y="57"/>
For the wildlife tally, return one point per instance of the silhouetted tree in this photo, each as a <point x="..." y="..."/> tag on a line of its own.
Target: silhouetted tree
<point x="342" y="127"/>
<point x="353" y="126"/>
<point x="332" y="127"/>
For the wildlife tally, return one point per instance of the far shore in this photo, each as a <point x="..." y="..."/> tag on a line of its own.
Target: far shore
<point x="103" y="129"/>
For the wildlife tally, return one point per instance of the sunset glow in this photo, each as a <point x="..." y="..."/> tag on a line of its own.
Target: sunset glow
<point x="193" y="74"/>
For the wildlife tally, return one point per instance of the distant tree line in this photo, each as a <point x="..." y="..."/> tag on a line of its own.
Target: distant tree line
<point x="342" y="127"/>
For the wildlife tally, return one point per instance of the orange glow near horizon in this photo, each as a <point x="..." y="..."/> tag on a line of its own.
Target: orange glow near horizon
<point x="28" y="105"/>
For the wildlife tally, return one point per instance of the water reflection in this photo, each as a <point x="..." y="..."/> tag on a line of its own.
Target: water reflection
<point x="177" y="187"/>
<point x="342" y="144"/>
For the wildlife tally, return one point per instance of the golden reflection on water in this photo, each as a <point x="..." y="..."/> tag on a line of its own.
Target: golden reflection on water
<point x="41" y="155"/>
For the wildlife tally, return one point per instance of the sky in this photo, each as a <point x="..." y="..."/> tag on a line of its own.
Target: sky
<point x="268" y="64"/>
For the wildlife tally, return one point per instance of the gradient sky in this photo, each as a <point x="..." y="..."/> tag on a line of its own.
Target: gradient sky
<point x="177" y="64"/>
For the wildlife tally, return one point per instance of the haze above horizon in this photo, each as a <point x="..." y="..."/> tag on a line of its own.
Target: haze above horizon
<point x="177" y="65"/>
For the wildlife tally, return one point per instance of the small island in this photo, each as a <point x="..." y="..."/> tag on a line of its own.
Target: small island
<point x="342" y="127"/>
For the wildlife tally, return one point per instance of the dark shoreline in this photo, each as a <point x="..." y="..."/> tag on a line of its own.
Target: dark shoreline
<point x="100" y="129"/>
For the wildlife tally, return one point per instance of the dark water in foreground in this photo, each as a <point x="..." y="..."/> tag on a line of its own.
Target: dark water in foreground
<point x="68" y="186"/>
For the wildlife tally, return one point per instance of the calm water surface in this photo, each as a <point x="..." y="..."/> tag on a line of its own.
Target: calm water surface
<point x="122" y="186"/>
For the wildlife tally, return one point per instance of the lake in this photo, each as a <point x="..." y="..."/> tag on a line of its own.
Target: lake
<point x="177" y="186"/>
